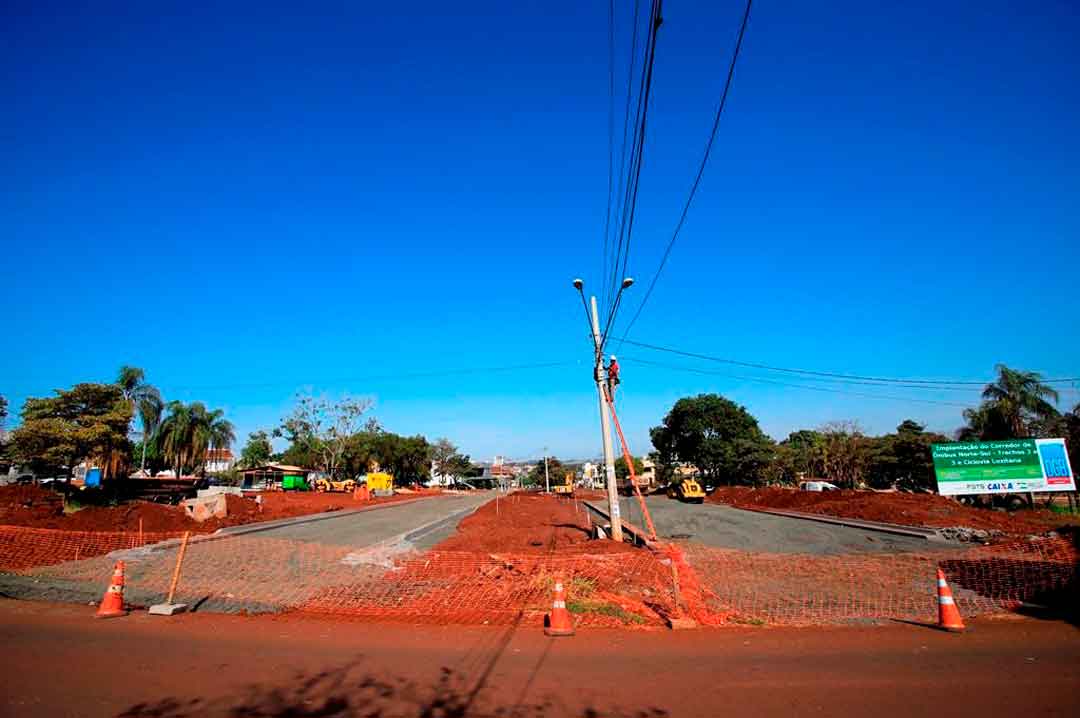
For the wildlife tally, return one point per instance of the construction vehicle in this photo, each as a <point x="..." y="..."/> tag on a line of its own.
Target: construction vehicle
<point x="380" y="483"/>
<point x="566" y="488"/>
<point x="328" y="484"/>
<point x="688" y="490"/>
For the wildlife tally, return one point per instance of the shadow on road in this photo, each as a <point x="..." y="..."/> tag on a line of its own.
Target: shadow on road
<point x="354" y="690"/>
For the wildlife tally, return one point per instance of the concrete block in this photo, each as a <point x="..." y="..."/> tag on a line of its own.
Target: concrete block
<point x="203" y="508"/>
<point x="681" y="624"/>
<point x="167" y="609"/>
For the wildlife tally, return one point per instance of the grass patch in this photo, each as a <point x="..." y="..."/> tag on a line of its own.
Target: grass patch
<point x="603" y="609"/>
<point x="1064" y="510"/>
<point x="748" y="621"/>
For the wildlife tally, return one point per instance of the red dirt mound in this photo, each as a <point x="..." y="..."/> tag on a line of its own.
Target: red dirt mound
<point x="19" y="504"/>
<point x="910" y="509"/>
<point x="35" y="507"/>
<point x="530" y="524"/>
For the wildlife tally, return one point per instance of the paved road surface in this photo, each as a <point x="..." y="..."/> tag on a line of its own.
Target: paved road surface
<point x="726" y="527"/>
<point x="214" y="665"/>
<point x="282" y="568"/>
<point x="432" y="520"/>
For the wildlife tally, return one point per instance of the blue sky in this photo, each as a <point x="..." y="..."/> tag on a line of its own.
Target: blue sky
<point x="256" y="200"/>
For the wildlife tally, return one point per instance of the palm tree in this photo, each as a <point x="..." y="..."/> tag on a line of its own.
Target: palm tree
<point x="189" y="430"/>
<point x="1019" y="398"/>
<point x="145" y="402"/>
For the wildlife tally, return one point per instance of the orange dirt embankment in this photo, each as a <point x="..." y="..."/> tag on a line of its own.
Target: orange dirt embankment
<point x="35" y="507"/>
<point x="928" y="510"/>
<point x="530" y="524"/>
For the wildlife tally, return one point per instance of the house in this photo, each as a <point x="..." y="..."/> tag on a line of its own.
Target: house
<point x="219" y="460"/>
<point x="273" y="475"/>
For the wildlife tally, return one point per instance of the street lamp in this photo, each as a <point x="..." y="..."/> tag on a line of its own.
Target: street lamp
<point x="605" y="427"/>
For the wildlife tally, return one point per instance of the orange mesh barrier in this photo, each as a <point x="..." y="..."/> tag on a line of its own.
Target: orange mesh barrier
<point x="22" y="548"/>
<point x="259" y="573"/>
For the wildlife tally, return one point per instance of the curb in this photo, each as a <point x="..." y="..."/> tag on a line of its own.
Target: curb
<point x="309" y="518"/>
<point x="231" y="531"/>
<point x="900" y="530"/>
<point x="638" y="535"/>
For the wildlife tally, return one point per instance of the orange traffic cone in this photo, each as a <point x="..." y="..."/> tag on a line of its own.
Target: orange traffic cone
<point x="112" y="605"/>
<point x="948" y="616"/>
<point x="559" y="622"/>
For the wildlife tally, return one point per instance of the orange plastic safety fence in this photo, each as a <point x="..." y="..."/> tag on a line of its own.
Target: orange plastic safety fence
<point x="259" y="573"/>
<point x="806" y="589"/>
<point x="22" y="548"/>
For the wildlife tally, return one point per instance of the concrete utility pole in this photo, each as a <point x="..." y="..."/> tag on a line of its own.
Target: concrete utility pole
<point x="605" y="427"/>
<point x="547" y="481"/>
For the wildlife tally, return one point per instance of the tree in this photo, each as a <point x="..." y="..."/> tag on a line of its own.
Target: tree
<point x="622" y="471"/>
<point x="903" y="459"/>
<point x="188" y="431"/>
<point x="3" y="412"/>
<point x="145" y="402"/>
<point x="845" y="453"/>
<point x="1015" y="406"/>
<point x="88" y="422"/>
<point x="256" y="451"/>
<point x="719" y="437"/>
<point x="804" y="449"/>
<point x="555" y="471"/>
<point x="447" y="461"/>
<point x="321" y="427"/>
<point x="406" y="458"/>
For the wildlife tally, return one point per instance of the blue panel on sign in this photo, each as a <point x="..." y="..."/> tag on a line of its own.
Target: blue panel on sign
<point x="1053" y="461"/>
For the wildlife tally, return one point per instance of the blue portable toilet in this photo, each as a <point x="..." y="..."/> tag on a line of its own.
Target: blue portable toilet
<point x="93" y="477"/>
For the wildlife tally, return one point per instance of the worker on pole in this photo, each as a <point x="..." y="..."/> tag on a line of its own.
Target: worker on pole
<point x="612" y="377"/>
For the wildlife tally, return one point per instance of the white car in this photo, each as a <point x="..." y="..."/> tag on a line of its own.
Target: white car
<point x="818" y="486"/>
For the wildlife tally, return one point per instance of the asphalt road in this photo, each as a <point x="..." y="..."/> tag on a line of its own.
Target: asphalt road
<point x="425" y="523"/>
<point x="266" y="571"/>
<point x="726" y="527"/>
<point x="60" y="662"/>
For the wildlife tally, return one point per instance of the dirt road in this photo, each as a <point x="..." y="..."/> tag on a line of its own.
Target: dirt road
<point x="726" y="527"/>
<point x="216" y="665"/>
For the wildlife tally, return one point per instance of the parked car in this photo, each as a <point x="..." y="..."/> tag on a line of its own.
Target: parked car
<point x="817" y="486"/>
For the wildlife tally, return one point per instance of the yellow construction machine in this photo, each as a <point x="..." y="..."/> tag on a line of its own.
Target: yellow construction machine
<point x="688" y="490"/>
<point x="566" y="488"/>
<point x="327" y="484"/>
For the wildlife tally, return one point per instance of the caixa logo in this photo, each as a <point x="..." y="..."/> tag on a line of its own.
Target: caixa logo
<point x="1000" y="486"/>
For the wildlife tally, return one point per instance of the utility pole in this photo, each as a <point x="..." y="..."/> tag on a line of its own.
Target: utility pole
<point x="547" y="481"/>
<point x="605" y="427"/>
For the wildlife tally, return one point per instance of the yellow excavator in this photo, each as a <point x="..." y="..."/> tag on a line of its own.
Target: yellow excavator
<point x="688" y="490"/>
<point x="566" y="488"/>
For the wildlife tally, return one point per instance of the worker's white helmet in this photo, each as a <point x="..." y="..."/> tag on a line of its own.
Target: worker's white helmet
<point x="612" y="357"/>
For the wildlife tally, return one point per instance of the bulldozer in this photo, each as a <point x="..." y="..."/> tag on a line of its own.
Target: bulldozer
<point x="327" y="484"/>
<point x="688" y="490"/>
<point x="566" y="488"/>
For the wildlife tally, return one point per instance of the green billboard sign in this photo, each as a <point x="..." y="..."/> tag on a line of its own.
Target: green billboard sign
<point x="1001" y="467"/>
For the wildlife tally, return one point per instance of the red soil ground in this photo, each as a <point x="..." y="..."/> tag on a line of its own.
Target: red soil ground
<point x="211" y="665"/>
<point x="911" y="509"/>
<point x="531" y="524"/>
<point x="35" y="507"/>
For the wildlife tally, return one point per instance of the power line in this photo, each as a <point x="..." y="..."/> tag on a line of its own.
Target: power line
<point x="605" y="282"/>
<point x="611" y="134"/>
<point x="701" y="168"/>
<point x="829" y="390"/>
<point x="835" y="375"/>
<point x="390" y="377"/>
<point x="626" y="227"/>
<point x="637" y="150"/>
